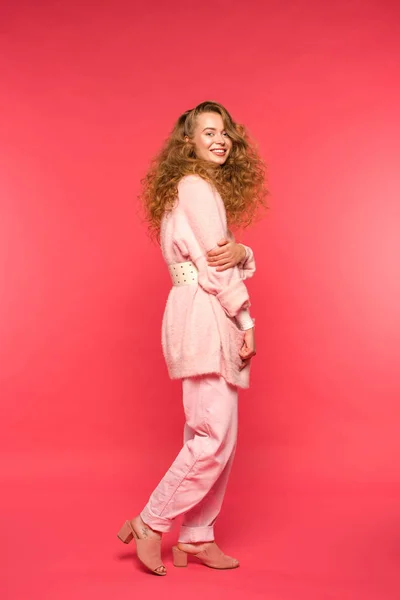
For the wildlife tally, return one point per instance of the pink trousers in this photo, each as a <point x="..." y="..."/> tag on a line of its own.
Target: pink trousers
<point x="195" y="484"/>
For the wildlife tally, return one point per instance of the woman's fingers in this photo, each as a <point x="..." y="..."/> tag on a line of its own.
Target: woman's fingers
<point x="217" y="253"/>
<point x="248" y="349"/>
<point x="246" y="359"/>
<point x="221" y="263"/>
<point x="221" y="259"/>
<point x="245" y="354"/>
<point x="225" y="266"/>
<point x="244" y="364"/>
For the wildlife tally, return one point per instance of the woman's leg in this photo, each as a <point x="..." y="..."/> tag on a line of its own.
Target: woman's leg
<point x="198" y="523"/>
<point x="211" y="418"/>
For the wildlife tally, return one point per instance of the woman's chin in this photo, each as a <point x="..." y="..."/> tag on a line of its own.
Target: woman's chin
<point x="219" y="160"/>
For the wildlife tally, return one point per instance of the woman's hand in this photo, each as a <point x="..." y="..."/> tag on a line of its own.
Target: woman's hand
<point x="248" y="350"/>
<point x="229" y="254"/>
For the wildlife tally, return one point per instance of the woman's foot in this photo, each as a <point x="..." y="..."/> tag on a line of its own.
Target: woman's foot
<point x="144" y="531"/>
<point x="147" y="533"/>
<point x="193" y="548"/>
<point x="148" y="543"/>
<point x="208" y="552"/>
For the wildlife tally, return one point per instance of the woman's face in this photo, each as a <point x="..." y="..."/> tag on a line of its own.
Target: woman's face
<point x="211" y="141"/>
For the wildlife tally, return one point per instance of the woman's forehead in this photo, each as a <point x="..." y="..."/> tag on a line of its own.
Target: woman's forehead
<point x="212" y="120"/>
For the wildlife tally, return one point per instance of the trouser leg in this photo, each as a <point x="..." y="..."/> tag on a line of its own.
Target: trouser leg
<point x="210" y="405"/>
<point x="198" y="523"/>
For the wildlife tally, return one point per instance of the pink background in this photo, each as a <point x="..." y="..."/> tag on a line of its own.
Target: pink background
<point x="90" y="420"/>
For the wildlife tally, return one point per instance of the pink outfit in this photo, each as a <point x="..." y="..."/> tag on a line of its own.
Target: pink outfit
<point x="196" y="482"/>
<point x="199" y="332"/>
<point x="201" y="344"/>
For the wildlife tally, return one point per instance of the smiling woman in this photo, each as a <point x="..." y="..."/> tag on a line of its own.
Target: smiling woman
<point x="206" y="177"/>
<point x="207" y="141"/>
<point x="211" y="140"/>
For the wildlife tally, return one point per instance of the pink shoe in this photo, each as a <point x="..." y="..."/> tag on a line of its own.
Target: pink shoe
<point x="208" y="553"/>
<point x="148" y="550"/>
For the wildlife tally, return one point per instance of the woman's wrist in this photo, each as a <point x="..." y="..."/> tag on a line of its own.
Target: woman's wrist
<point x="250" y="326"/>
<point x="244" y="320"/>
<point x="244" y="253"/>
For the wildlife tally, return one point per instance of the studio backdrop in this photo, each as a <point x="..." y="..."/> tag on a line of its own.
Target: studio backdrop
<point x="89" y="418"/>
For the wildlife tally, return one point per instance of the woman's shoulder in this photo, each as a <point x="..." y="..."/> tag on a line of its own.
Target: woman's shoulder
<point x="193" y="180"/>
<point x="198" y="197"/>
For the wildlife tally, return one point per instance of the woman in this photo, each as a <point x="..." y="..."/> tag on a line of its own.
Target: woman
<point x="206" y="177"/>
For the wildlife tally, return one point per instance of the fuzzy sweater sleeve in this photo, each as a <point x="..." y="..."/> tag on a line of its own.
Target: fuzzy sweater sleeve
<point x="202" y="225"/>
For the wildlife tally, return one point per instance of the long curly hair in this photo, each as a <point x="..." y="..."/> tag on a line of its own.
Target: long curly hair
<point x="240" y="180"/>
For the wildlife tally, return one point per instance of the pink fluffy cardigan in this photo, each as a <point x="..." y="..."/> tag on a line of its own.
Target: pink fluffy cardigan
<point x="199" y="332"/>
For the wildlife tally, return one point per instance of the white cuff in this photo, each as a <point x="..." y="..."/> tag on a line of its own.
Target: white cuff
<point x="244" y="320"/>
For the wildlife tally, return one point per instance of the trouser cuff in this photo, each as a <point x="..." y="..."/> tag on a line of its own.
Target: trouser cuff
<point x="191" y="535"/>
<point x="155" y="522"/>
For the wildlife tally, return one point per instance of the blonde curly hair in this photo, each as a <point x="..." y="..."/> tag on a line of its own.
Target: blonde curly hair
<point x="240" y="180"/>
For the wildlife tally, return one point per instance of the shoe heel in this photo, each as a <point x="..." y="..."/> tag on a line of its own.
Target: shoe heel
<point x="180" y="557"/>
<point x="125" y="534"/>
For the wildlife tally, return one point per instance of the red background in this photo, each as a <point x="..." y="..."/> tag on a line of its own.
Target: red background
<point x="90" y="420"/>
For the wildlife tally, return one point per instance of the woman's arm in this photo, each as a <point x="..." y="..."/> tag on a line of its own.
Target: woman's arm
<point x="248" y="266"/>
<point x="202" y="224"/>
<point x="230" y="254"/>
